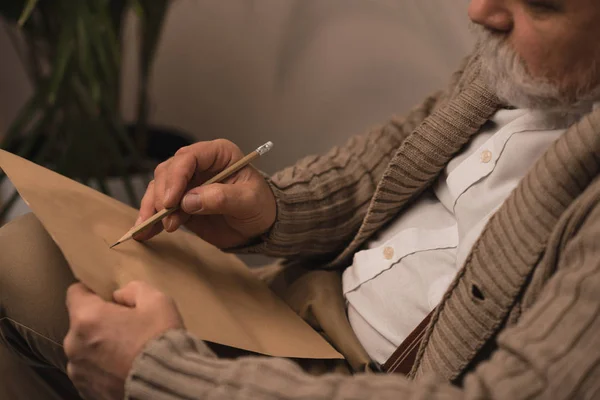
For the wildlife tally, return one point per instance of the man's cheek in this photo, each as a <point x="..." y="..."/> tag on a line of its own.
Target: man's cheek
<point x="533" y="46"/>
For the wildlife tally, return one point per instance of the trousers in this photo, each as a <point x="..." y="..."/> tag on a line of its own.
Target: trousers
<point x="34" y="277"/>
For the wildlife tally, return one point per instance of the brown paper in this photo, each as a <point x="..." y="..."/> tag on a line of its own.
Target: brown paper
<point x="219" y="298"/>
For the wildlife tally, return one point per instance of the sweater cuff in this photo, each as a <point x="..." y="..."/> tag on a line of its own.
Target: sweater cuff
<point x="152" y="372"/>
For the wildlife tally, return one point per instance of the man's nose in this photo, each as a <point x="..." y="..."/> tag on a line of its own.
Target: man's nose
<point x="492" y="14"/>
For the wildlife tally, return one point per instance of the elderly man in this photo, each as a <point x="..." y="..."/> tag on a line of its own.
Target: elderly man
<point x="481" y="205"/>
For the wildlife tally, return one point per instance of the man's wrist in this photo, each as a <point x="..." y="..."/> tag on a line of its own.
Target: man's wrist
<point x="147" y="364"/>
<point x="258" y="244"/>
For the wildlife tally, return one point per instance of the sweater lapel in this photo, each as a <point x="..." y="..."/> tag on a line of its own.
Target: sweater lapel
<point x="507" y="251"/>
<point x="423" y="155"/>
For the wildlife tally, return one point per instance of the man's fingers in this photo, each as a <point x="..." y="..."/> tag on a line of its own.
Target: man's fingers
<point x="175" y="220"/>
<point x="148" y="209"/>
<point x="190" y="166"/>
<point x="160" y="182"/>
<point x="149" y="232"/>
<point x="129" y="294"/>
<point x="79" y="294"/>
<point x="85" y="309"/>
<point x="125" y="297"/>
<point x="198" y="162"/>
<point x="221" y="199"/>
<point x="178" y="176"/>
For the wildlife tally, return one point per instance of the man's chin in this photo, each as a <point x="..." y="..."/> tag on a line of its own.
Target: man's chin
<point x="522" y="98"/>
<point x="531" y="93"/>
<point x="566" y="104"/>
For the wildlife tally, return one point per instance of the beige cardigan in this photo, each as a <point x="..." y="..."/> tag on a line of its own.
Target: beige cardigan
<point x="521" y="319"/>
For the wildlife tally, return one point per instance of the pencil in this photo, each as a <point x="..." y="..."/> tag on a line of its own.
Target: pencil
<point x="233" y="168"/>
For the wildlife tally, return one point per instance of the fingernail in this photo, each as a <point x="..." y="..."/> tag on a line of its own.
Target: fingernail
<point x="191" y="202"/>
<point x="167" y="196"/>
<point x="138" y="221"/>
<point x="169" y="223"/>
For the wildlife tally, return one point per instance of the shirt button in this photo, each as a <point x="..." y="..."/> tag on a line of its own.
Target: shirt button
<point x="388" y="252"/>
<point x="486" y="156"/>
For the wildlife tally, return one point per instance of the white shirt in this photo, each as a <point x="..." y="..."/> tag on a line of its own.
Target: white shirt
<point x="405" y="270"/>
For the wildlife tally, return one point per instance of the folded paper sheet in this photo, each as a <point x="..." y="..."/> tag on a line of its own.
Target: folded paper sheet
<point x="219" y="298"/>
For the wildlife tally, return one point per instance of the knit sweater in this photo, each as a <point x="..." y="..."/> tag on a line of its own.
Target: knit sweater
<point x="520" y="320"/>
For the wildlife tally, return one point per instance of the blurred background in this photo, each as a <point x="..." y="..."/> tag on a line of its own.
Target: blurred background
<point x="103" y="90"/>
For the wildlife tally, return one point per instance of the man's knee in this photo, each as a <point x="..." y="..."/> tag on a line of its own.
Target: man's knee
<point x="34" y="277"/>
<point x="30" y="262"/>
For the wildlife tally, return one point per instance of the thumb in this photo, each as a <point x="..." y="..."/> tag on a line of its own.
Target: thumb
<point x="129" y="294"/>
<point x="223" y="199"/>
<point x="78" y="294"/>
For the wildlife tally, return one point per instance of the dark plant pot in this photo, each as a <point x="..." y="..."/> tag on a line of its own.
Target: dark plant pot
<point x="163" y="142"/>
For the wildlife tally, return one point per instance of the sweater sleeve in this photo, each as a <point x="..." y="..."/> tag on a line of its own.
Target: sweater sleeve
<point x="551" y="353"/>
<point x="322" y="200"/>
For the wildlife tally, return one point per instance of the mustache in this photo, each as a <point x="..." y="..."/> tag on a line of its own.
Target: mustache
<point x="494" y="48"/>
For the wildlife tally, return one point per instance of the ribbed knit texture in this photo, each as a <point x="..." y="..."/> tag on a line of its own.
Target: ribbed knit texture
<point x="322" y="200"/>
<point x="507" y="250"/>
<point x="329" y="205"/>
<point x="537" y="261"/>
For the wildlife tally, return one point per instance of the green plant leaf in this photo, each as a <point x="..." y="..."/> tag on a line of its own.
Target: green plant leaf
<point x="108" y="142"/>
<point x="86" y="62"/>
<point x="64" y="52"/>
<point x="137" y="7"/>
<point x="29" y="7"/>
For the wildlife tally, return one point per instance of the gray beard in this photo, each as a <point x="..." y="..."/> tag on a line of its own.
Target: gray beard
<point x="506" y="74"/>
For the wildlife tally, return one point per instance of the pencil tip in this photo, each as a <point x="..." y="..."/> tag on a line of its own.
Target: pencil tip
<point x="114" y="245"/>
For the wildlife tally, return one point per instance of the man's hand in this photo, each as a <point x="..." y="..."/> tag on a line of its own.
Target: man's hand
<point x="224" y="214"/>
<point x="105" y="338"/>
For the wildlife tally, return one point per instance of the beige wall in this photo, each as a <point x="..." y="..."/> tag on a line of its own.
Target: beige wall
<point x="303" y="73"/>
